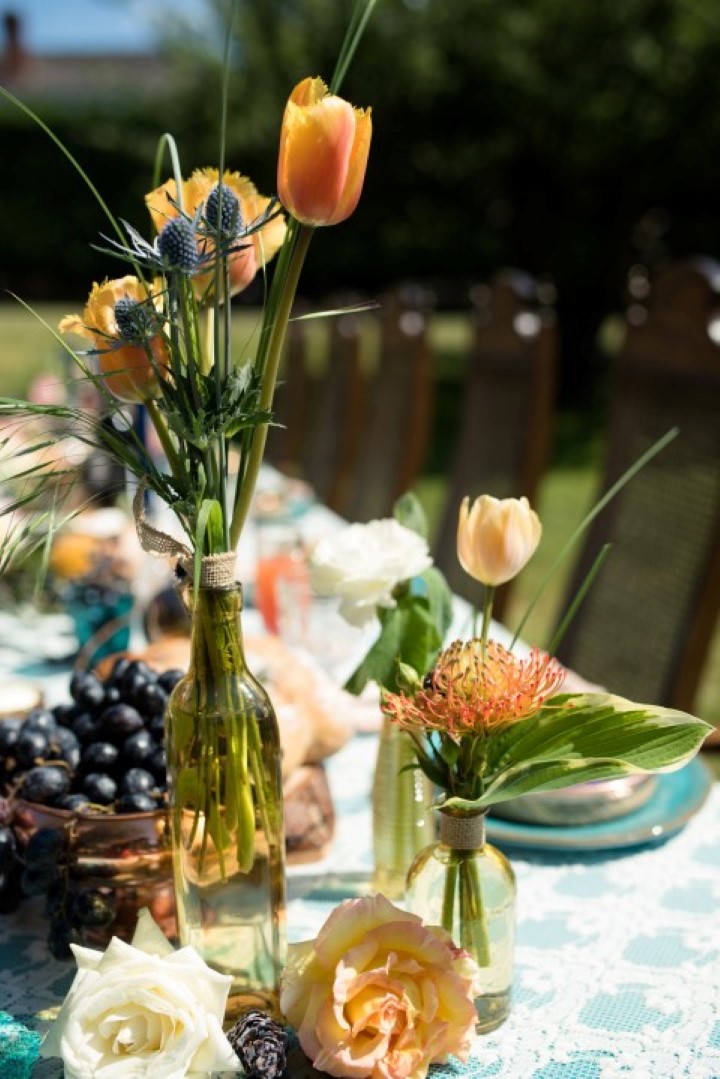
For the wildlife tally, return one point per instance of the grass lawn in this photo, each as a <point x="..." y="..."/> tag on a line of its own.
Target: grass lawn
<point x="27" y="348"/>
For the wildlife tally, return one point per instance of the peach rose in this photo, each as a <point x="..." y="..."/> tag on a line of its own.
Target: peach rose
<point x="378" y="994"/>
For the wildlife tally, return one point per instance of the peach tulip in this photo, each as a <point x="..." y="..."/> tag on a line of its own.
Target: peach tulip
<point x="496" y="537"/>
<point x="324" y="146"/>
<point x="126" y="366"/>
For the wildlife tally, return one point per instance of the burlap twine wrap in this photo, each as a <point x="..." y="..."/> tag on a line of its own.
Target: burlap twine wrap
<point x="462" y="833"/>
<point x="216" y="570"/>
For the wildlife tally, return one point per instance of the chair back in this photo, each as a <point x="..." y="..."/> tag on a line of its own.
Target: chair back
<point x="292" y="405"/>
<point x="505" y="421"/>
<point x="645" y="626"/>
<point x="389" y="450"/>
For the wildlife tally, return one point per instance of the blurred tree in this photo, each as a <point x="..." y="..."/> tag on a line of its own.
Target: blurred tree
<point x="569" y="139"/>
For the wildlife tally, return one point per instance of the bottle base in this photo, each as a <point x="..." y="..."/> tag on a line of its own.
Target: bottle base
<point x="492" y="1011"/>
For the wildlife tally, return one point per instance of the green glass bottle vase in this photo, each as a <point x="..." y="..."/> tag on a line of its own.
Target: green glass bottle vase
<point x="467" y="886"/>
<point x="401" y="816"/>
<point x="226" y="808"/>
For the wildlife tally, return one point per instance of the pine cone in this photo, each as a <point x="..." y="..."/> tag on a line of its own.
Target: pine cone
<point x="260" y="1044"/>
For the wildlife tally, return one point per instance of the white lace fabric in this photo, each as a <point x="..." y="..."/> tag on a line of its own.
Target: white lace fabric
<point x="617" y="961"/>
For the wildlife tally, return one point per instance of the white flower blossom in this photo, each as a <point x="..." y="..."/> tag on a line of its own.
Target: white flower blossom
<point x="142" y="1009"/>
<point x="363" y="563"/>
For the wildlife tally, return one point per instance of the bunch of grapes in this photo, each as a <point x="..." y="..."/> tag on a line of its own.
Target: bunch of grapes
<point x="102" y="753"/>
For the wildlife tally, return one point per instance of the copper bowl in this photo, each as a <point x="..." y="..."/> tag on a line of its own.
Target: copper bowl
<point x="128" y="853"/>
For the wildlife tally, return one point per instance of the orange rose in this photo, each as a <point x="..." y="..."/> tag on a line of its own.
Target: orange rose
<point x="257" y="249"/>
<point x="378" y="994"/>
<point x="126" y="368"/>
<point x="324" y="147"/>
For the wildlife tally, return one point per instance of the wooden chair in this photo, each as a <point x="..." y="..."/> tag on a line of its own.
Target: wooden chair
<point x="392" y="432"/>
<point x="341" y="397"/>
<point x="292" y="408"/>
<point x="645" y="626"/>
<point x="319" y="401"/>
<point x="506" y="417"/>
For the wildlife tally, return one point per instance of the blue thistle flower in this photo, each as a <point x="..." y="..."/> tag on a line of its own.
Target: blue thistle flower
<point x="178" y="247"/>
<point x="228" y="216"/>
<point x="136" y="322"/>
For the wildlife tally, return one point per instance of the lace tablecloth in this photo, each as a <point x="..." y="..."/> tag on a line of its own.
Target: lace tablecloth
<point x="617" y="966"/>
<point x="618" y="956"/>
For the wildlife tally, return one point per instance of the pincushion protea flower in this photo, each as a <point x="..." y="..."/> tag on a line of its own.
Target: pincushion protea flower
<point x="474" y="689"/>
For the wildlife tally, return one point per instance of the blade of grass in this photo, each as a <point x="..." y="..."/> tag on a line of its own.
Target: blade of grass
<point x="356" y="28"/>
<point x="654" y="450"/>
<point x="578" y="599"/>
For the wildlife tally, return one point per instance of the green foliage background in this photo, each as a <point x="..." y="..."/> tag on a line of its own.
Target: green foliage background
<point x="571" y="140"/>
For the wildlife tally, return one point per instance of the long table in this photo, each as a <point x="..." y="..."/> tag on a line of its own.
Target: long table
<point x="618" y="954"/>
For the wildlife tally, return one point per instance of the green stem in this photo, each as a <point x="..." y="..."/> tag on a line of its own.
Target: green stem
<point x="473" y="922"/>
<point x="449" y="890"/>
<point x="487" y="615"/>
<point x="166" y="441"/>
<point x="275" y="320"/>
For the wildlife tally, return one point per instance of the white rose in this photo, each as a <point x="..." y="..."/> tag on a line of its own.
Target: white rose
<point x="364" y="562"/>
<point x="142" y="1009"/>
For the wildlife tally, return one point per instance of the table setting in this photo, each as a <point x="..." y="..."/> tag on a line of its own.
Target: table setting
<point x="296" y="809"/>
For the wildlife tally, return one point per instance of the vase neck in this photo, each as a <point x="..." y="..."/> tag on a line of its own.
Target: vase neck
<point x="217" y="644"/>
<point x="462" y="831"/>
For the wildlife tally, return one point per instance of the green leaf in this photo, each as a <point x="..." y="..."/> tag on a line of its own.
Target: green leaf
<point x="209" y="535"/>
<point x="410" y="514"/>
<point x="577" y="738"/>
<point x="440" y="600"/>
<point x="449" y="750"/>
<point x="408" y="635"/>
<point x="408" y="679"/>
<point x="432" y="765"/>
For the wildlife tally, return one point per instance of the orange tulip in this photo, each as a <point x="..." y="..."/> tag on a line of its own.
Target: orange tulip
<point x="324" y="146"/>
<point x="125" y="366"/>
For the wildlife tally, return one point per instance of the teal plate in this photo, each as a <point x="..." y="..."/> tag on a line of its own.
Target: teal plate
<point x="676" y="798"/>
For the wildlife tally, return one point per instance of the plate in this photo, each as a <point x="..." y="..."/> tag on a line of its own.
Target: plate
<point x="676" y="798"/>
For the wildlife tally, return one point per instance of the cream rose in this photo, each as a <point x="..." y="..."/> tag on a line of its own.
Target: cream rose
<point x="378" y="994"/>
<point x="363" y="563"/>
<point x="142" y="1009"/>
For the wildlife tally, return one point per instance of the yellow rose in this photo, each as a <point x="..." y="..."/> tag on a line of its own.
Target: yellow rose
<point x="496" y="537"/>
<point x="378" y="994"/>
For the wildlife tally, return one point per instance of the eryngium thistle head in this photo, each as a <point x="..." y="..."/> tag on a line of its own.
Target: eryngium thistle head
<point x="178" y="246"/>
<point x="136" y="321"/>
<point x="230" y="217"/>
